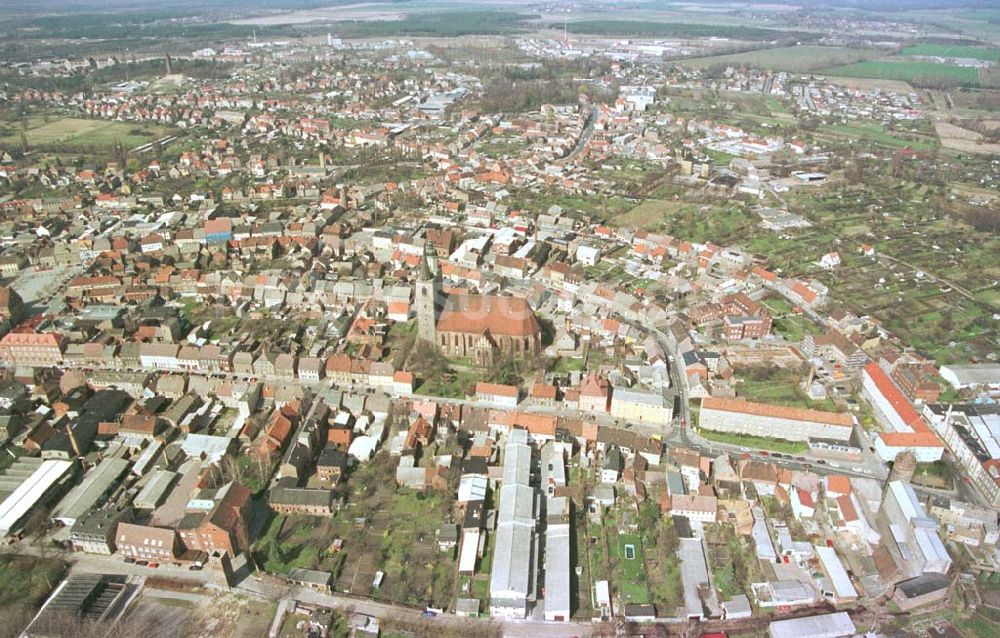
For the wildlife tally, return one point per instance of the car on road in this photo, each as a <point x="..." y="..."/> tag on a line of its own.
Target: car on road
<point x="129" y="560"/>
<point x="857" y="469"/>
<point x="834" y="464"/>
<point x="800" y="459"/>
<point x="764" y="453"/>
<point x="428" y="614"/>
<point x="154" y="565"/>
<point x="867" y="471"/>
<point x="821" y="462"/>
<point x="746" y="455"/>
<point x="142" y="563"/>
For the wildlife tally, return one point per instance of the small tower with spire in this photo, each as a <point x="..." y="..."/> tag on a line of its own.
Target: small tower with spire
<point x="428" y="294"/>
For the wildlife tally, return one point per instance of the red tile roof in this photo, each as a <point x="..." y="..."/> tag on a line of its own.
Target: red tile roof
<point x="510" y="316"/>
<point x="888" y="389"/>
<point x="777" y="411"/>
<point x="496" y="389"/>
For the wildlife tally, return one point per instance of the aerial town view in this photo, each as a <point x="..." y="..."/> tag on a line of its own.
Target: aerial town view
<point x="530" y="318"/>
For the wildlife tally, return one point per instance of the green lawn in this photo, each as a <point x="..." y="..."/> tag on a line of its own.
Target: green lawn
<point x="631" y="574"/>
<point x="755" y="442"/>
<point x="795" y="327"/>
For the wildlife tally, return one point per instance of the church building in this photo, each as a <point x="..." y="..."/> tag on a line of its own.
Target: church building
<point x="484" y="328"/>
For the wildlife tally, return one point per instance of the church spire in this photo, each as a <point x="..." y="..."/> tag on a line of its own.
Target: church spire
<point x="428" y="263"/>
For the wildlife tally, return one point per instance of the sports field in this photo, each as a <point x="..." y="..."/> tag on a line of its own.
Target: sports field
<point x="74" y="132"/>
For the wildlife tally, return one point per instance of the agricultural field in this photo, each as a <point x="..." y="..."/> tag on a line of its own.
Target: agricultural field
<point x="77" y="133"/>
<point x="659" y="29"/>
<point x="909" y="71"/>
<point x="962" y="139"/>
<point x="952" y="51"/>
<point x="797" y="59"/>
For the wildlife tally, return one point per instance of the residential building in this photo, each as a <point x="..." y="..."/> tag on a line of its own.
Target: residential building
<point x="908" y="430"/>
<point x="773" y="421"/>
<point x="31" y="349"/>
<point x="495" y="394"/>
<point x="640" y="406"/>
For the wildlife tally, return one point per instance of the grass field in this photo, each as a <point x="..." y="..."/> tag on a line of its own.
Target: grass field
<point x="875" y="132"/>
<point x="649" y="214"/>
<point x="795" y="59"/>
<point x="953" y="51"/>
<point x="908" y="71"/>
<point x="73" y="132"/>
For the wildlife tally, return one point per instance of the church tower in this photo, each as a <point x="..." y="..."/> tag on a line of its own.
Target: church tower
<point x="428" y="295"/>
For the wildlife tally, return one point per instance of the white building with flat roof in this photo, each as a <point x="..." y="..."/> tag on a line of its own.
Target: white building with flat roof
<point x="841" y="588"/>
<point x="28" y="483"/>
<point x="512" y="576"/>
<point x="557" y="566"/>
<point x="914" y="533"/>
<point x="835" y="625"/>
<point x="695" y="579"/>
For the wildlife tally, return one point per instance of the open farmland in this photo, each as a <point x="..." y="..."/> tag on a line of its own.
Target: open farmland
<point x="909" y="71"/>
<point x="952" y="51"/>
<point x="796" y="59"/>
<point x="961" y="139"/>
<point x="79" y="133"/>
